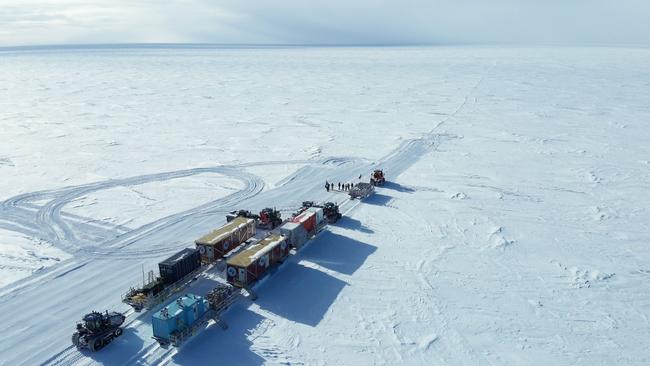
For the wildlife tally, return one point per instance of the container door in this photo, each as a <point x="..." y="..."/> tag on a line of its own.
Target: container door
<point x="242" y="275"/>
<point x="283" y="249"/>
<point x="264" y="261"/>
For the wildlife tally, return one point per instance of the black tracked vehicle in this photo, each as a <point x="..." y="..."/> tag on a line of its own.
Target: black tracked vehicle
<point x="330" y="210"/>
<point x="98" y="330"/>
<point x="241" y="213"/>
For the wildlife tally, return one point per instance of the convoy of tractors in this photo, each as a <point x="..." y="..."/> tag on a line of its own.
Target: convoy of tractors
<point x="249" y="244"/>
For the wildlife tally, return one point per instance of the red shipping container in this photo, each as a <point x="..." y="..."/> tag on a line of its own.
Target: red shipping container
<point x="251" y="264"/>
<point x="218" y="243"/>
<point x="307" y="220"/>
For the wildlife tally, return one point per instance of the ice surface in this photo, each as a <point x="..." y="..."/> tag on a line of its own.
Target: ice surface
<point x="20" y="256"/>
<point x="134" y="206"/>
<point x="512" y="228"/>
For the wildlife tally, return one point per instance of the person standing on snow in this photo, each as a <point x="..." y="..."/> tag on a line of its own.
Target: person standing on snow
<point x="327" y="186"/>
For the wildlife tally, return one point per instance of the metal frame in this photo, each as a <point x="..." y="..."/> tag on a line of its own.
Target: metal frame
<point x="152" y="300"/>
<point x="178" y="337"/>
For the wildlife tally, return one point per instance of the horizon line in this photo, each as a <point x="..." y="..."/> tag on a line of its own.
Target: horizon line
<point x="198" y="45"/>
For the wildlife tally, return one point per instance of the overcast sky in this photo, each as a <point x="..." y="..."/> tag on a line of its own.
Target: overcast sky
<point x="36" y="22"/>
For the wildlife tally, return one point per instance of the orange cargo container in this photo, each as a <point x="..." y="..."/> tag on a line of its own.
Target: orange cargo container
<point x="220" y="242"/>
<point x="307" y="220"/>
<point x="251" y="264"/>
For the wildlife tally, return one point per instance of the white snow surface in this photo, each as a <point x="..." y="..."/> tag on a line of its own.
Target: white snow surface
<point x="20" y="256"/>
<point x="134" y="206"/>
<point x="513" y="229"/>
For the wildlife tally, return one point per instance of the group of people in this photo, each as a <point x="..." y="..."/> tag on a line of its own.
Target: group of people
<point x="342" y="186"/>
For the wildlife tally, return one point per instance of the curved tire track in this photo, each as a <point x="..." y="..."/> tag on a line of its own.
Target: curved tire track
<point x="58" y="231"/>
<point x="50" y="223"/>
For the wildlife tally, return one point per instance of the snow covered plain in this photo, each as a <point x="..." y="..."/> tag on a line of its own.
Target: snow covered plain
<point x="514" y="228"/>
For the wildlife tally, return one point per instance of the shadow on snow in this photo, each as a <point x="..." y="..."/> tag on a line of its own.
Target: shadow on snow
<point x="377" y="199"/>
<point x="337" y="252"/>
<point x="215" y="346"/>
<point x="296" y="292"/>
<point x="120" y="350"/>
<point x="303" y="294"/>
<point x="347" y="222"/>
<point x="398" y="187"/>
<point x="300" y="294"/>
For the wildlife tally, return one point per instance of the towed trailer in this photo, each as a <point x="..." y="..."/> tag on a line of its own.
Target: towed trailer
<point x="361" y="190"/>
<point x="189" y="314"/>
<point x="216" y="244"/>
<point x="181" y="269"/>
<point x="176" y="272"/>
<point x="141" y="298"/>
<point x="251" y="264"/>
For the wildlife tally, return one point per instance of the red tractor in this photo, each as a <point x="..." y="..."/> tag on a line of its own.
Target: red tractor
<point x="377" y="178"/>
<point x="269" y="218"/>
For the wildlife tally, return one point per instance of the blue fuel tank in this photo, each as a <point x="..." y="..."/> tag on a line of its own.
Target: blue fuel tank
<point x="178" y="315"/>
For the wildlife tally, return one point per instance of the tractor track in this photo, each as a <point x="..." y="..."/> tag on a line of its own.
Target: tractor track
<point x="50" y="224"/>
<point x="253" y="186"/>
<point x="57" y="230"/>
<point x="68" y="356"/>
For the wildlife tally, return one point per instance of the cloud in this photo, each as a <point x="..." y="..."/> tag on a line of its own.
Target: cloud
<point x="325" y="22"/>
<point x="450" y="21"/>
<point x="105" y="21"/>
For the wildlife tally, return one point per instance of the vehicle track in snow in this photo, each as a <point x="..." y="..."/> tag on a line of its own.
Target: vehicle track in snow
<point x="253" y="185"/>
<point x="58" y="231"/>
<point x="49" y="223"/>
<point x="68" y="356"/>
